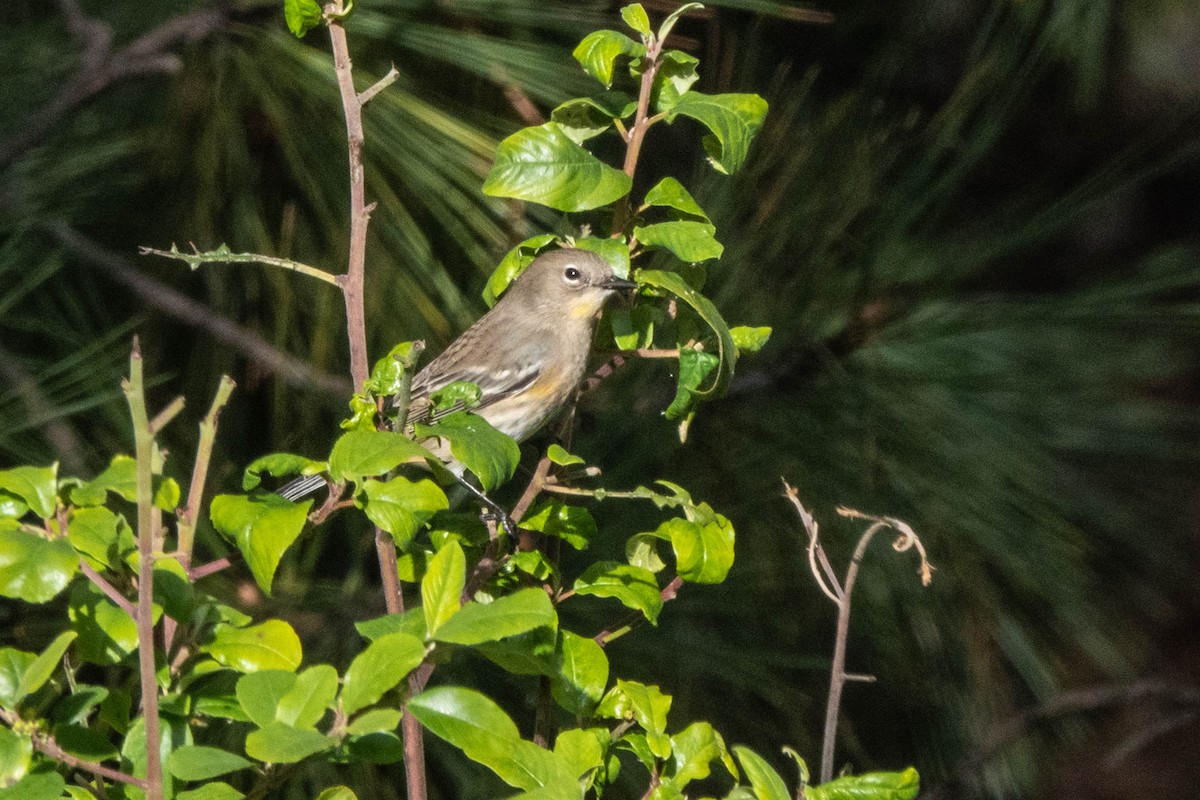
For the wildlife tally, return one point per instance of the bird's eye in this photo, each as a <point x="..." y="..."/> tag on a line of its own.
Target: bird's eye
<point x="571" y="274"/>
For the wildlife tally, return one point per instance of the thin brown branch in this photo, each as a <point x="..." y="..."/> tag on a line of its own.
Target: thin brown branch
<point x="110" y="591"/>
<point x="164" y="417"/>
<point x="295" y="372"/>
<point x="668" y="593"/>
<point x="208" y="435"/>
<point x="535" y="486"/>
<point x="637" y="128"/>
<point x="389" y="572"/>
<point x="211" y="568"/>
<point x="368" y="94"/>
<point x="47" y="746"/>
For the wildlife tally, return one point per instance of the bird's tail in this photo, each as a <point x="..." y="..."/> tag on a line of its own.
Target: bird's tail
<point x="301" y="487"/>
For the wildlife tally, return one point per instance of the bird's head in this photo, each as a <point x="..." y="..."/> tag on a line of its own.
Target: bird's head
<point x="575" y="281"/>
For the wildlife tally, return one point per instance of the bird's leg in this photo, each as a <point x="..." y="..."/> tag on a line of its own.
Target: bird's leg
<point x="499" y="513"/>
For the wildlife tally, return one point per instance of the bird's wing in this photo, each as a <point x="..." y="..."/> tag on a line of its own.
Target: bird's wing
<point x="494" y="384"/>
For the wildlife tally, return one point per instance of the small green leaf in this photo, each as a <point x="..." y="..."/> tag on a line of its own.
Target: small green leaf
<point x="402" y="506"/>
<point x="107" y="635"/>
<point x="166" y="494"/>
<point x="531" y="653"/>
<point x="694" y="367"/>
<point x="634" y="587"/>
<point x="443" y="584"/>
<point x="703" y="553"/>
<point x="375" y="721"/>
<point x="201" y="763"/>
<point x="573" y="524"/>
<point x="411" y="622"/>
<point x="214" y="790"/>
<point x="36" y="486"/>
<point x="301" y="16"/>
<point x="476" y="623"/>
<point x="13" y="665"/>
<point x="732" y="119"/>
<point x="11" y="506"/>
<point x="364" y="454"/>
<point x="692" y="752"/>
<point x="379" y="668"/>
<point x="599" y="51"/>
<point x="558" y="455"/>
<point x="305" y="702"/>
<point x="869" y="786"/>
<point x="635" y="17"/>
<point x="270" y="645"/>
<point x="670" y="193"/>
<point x="585" y="117"/>
<point x="676" y="74"/>
<point x="337" y="793"/>
<point x="633" y="327"/>
<point x="84" y="743"/>
<point x="16" y="751"/>
<point x="668" y="24"/>
<point x="614" y="251"/>
<point x="119" y="477"/>
<point x="646" y="704"/>
<point x="278" y="743"/>
<point x="262" y="526"/>
<point x="582" y="674"/>
<point x="259" y="694"/>
<point x="543" y="165"/>
<point x="764" y="780"/>
<point x="641" y="551"/>
<point x="582" y="748"/>
<point x="278" y="465"/>
<point x="36" y="786"/>
<point x="676" y="285"/>
<point x="32" y="568"/>
<point x="513" y="264"/>
<point x="749" y="340"/>
<point x="689" y="240"/>
<point x="76" y="707"/>
<point x="486" y="452"/>
<point x="42" y="667"/>
<point x="388" y="374"/>
<point x="99" y="534"/>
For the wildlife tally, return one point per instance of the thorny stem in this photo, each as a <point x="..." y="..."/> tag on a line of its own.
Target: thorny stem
<point x="147" y="545"/>
<point x="195" y="258"/>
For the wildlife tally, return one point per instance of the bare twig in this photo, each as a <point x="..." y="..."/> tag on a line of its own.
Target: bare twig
<point x="637" y="128"/>
<point x="211" y="568"/>
<point x="110" y="591"/>
<point x="368" y="94"/>
<point x="164" y="417"/>
<point x="186" y="526"/>
<point x="196" y="258"/>
<point x="46" y="745"/>
<point x="668" y="593"/>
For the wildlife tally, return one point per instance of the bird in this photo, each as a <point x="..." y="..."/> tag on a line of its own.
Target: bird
<point x="527" y="354"/>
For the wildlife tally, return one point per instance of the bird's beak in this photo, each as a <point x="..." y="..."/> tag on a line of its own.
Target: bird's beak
<point x="619" y="285"/>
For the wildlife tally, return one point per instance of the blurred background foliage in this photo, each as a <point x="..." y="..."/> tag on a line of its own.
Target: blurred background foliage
<point x="972" y="225"/>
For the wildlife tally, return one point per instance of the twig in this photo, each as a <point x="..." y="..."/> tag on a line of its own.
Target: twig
<point x="195" y="259"/>
<point x="536" y="484"/>
<point x="46" y="745"/>
<point x="134" y="389"/>
<point x="368" y="94"/>
<point x="186" y="527"/>
<point x="110" y="591"/>
<point x="296" y="372"/>
<point x="164" y="417"/>
<point x="668" y="593"/>
<point x="211" y="568"/>
<point x="637" y="129"/>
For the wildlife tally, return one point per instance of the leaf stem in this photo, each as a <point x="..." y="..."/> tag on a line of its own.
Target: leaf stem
<point x="196" y="258"/>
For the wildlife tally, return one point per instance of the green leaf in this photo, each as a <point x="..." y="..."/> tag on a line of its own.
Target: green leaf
<point x="11" y="506"/>
<point x="337" y="793"/>
<point x="642" y="551"/>
<point x="259" y="694"/>
<point x="16" y="751"/>
<point x="646" y="704"/>
<point x="270" y="645"/>
<point x="301" y="16"/>
<point x="119" y="477"/>
<point x="411" y="622"/>
<point x="402" y="506"/>
<point x="32" y="568"/>
<point x="689" y="240"/>
<point x="36" y="786"/>
<point x="676" y="74"/>
<point x="635" y="17"/>
<point x="726" y="352"/>
<point x="599" y="51"/>
<point x="486" y="452"/>
<point x="374" y="721"/>
<point x="457" y="395"/>
<point x="279" y="743"/>
<point x="560" y="456"/>
<point x="363" y="454"/>
<point x="749" y="340"/>
<point x="584" y="117"/>
<point x="703" y="553"/>
<point x="732" y="119"/>
<point x="443" y="584"/>
<point x="166" y="494"/>
<point x="694" y="367"/>
<point x="76" y="707"/>
<point x="379" y="668"/>
<point x="664" y="30"/>
<point x="670" y="193"/>
<point x="382" y="747"/>
<point x="84" y="743"/>
<point x="107" y="635"/>
<point x="572" y="524"/>
<point x="633" y="327"/>
<point x="530" y="653"/>
<point x="201" y="763"/>
<point x="476" y="623"/>
<point x="262" y="526"/>
<point x="582" y="673"/>
<point x="277" y="465"/>
<point x="692" y="752"/>
<point x="42" y="667"/>
<point x="305" y="703"/>
<point x="513" y="264"/>
<point x="99" y="534"/>
<point x="614" y="251"/>
<point x="543" y="165"/>
<point x="764" y="780"/>
<point x="388" y="374"/>
<point x="480" y="728"/>
<point x="634" y="587"/>
<point x="13" y="665"/>
<point x="216" y="790"/>
<point x="36" y="486"/>
<point x="869" y="786"/>
<point x="582" y="748"/>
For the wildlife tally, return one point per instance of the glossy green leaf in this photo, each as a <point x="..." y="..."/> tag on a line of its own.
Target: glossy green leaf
<point x="259" y="693"/>
<point x="380" y="667"/>
<point x="558" y="455"/>
<point x="36" y="486"/>
<point x="670" y="193"/>
<point x="635" y="17"/>
<point x="582" y="673"/>
<point x="703" y="552"/>
<point x="689" y="240"/>
<point x="476" y="623"/>
<point x="301" y="16"/>
<point x="646" y="704"/>
<point x="634" y="587"/>
<point x="869" y="786"/>
<point x="585" y="117"/>
<point x="120" y="477"/>
<point x="364" y="454"/>
<point x="270" y="645"/>
<point x="641" y="550"/>
<point x="543" y="165"/>
<point x="16" y="751"/>
<point x="599" y="51"/>
<point x="85" y="743"/>
<point x="573" y="524"/>
<point x="443" y="584"/>
<point x="306" y="701"/>
<point x="100" y="535"/>
<point x="107" y="635"/>
<point x="676" y="74"/>
<point x="692" y="752"/>
<point x="749" y="340"/>
<point x="11" y="506"/>
<point x="694" y="367"/>
<point x="33" y="568"/>
<point x="278" y="465"/>
<point x="77" y="706"/>
<point x="457" y="395"/>
<point x="668" y="24"/>
<point x="36" y="786"/>
<point x="43" y="667"/>
<point x="490" y="455"/>
<point x="213" y="790"/>
<point x="513" y="264"/>
<point x="13" y="665"/>
<point x="764" y="780"/>
<point x="582" y="748"/>
<point x="388" y="376"/>
<point x="337" y="793"/>
<point x="201" y="763"/>
<point x="402" y="506"/>
<point x="374" y="721"/>
<point x="676" y="285"/>
<point x="530" y="653"/>
<point x="614" y="251"/>
<point x="732" y="119"/>
<point x="262" y="526"/>
<point x="411" y="622"/>
<point x="278" y="743"/>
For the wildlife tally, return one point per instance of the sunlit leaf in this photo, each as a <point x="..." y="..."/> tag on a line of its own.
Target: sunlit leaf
<point x="262" y="526"/>
<point x="599" y="51"/>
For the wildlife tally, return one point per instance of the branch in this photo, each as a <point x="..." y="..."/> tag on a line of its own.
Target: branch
<point x="47" y="746"/>
<point x="368" y="94"/>
<point x="222" y="255"/>
<point x="668" y="593"/>
<point x="637" y="129"/>
<point x="110" y="591"/>
<point x="186" y="527"/>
